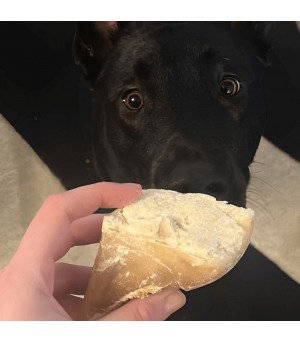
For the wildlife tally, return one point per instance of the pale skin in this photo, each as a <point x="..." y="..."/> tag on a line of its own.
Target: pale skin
<point x="34" y="287"/>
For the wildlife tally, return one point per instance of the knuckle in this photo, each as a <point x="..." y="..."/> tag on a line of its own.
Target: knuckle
<point x="142" y="312"/>
<point x="57" y="199"/>
<point x="53" y="198"/>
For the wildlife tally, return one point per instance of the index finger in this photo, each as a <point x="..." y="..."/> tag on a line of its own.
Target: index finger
<point x="49" y="233"/>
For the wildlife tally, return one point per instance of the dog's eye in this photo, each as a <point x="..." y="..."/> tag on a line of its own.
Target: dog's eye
<point x="229" y="87"/>
<point x="133" y="101"/>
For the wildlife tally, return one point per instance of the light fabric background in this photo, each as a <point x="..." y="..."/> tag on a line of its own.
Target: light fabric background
<point x="25" y="182"/>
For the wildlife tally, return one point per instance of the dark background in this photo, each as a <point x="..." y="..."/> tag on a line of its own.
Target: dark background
<point x="43" y="95"/>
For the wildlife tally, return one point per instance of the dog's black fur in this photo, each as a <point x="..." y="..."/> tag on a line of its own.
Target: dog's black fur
<point x="187" y="136"/>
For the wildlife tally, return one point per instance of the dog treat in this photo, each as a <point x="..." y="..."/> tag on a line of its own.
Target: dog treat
<point x="164" y="240"/>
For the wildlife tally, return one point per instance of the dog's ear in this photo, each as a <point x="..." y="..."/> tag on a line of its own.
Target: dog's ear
<point x="256" y="32"/>
<point x="92" y="42"/>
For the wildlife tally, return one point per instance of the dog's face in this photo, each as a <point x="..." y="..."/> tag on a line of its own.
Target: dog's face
<point x="176" y="106"/>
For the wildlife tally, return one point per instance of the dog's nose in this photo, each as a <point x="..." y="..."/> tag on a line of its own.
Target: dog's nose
<point x="224" y="190"/>
<point x="212" y="184"/>
<point x="220" y="177"/>
<point x="217" y="189"/>
<point x="224" y="185"/>
<point x="221" y="188"/>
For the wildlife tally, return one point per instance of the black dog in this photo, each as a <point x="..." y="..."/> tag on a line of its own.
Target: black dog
<point x="176" y="105"/>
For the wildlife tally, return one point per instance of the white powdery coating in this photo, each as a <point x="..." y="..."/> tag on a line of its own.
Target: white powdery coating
<point x="196" y="224"/>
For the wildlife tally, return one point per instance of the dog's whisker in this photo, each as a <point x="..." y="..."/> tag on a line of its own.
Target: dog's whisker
<point x="260" y="171"/>
<point x="255" y="202"/>
<point x="261" y="196"/>
<point x="255" y="177"/>
<point x="258" y="193"/>
<point x="268" y="165"/>
<point x="256" y="188"/>
<point x="253" y="185"/>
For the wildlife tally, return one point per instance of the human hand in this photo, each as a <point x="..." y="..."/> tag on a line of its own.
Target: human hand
<point x="34" y="287"/>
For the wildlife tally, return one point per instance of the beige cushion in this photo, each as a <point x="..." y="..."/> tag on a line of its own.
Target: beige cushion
<point x="25" y="182"/>
<point x="276" y="203"/>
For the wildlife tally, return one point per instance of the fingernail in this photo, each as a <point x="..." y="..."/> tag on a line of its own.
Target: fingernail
<point x="174" y="301"/>
<point x="135" y="185"/>
<point x="132" y="184"/>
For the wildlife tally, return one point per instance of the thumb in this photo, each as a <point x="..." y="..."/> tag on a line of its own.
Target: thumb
<point x="156" y="307"/>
